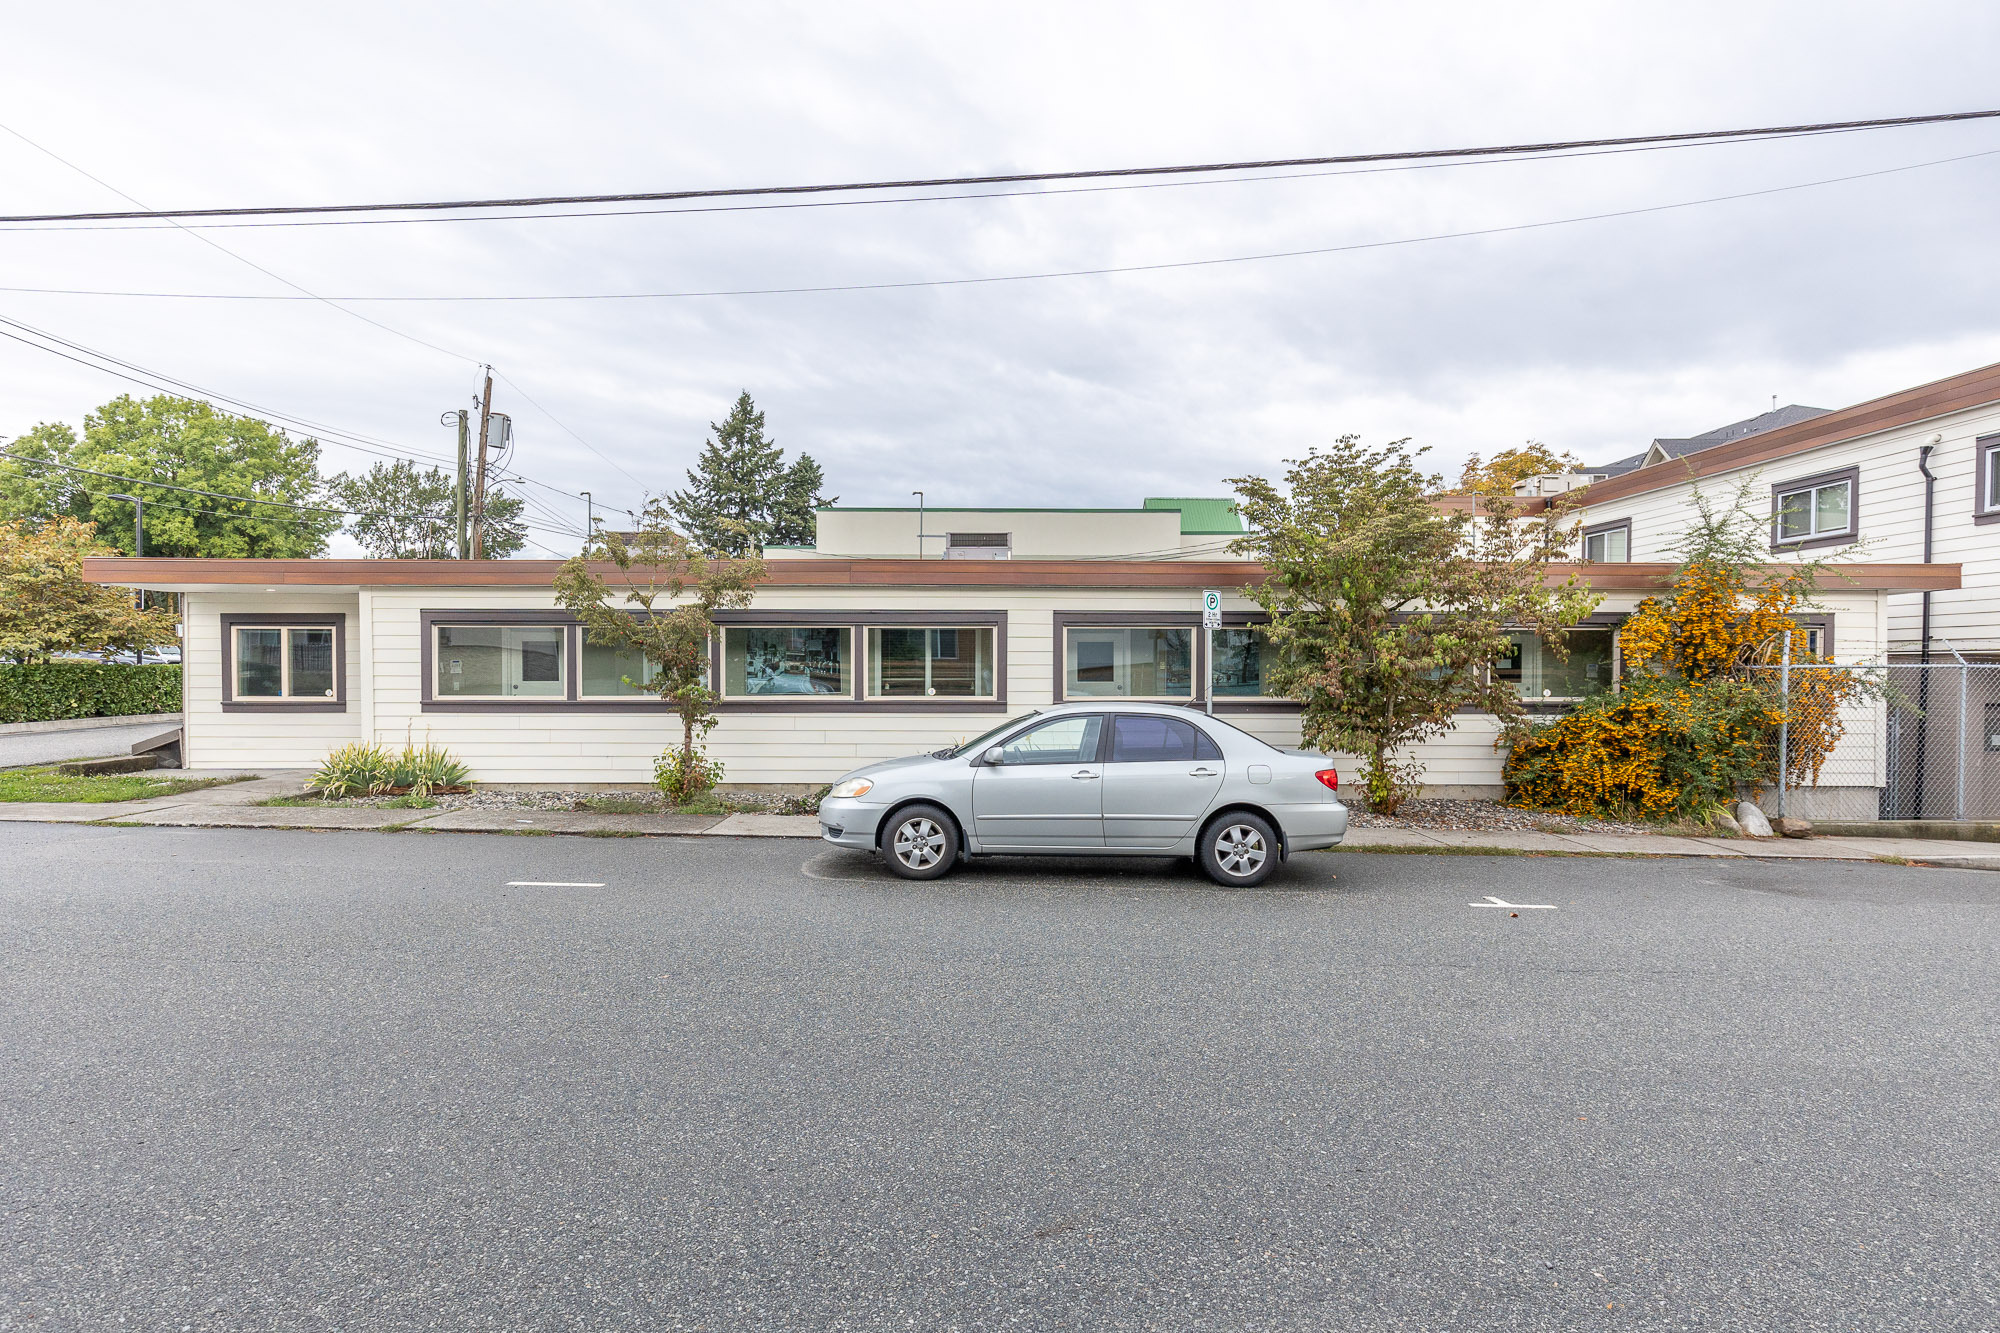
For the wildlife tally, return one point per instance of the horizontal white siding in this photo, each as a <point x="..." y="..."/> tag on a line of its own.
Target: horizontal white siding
<point x="567" y="746"/>
<point x="266" y="738"/>
<point x="1891" y="514"/>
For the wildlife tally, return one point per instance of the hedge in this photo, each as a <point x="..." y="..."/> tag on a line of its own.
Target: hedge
<point x="48" y="691"/>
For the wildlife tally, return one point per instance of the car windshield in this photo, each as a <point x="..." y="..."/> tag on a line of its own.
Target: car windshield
<point x="978" y="743"/>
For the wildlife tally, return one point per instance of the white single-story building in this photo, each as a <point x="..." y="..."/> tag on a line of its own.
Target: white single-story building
<point x="852" y="651"/>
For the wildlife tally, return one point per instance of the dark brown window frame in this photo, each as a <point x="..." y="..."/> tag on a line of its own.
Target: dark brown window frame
<point x="233" y="620"/>
<point x="427" y="660"/>
<point x="1850" y="475"/>
<point x="1983" y="449"/>
<point x="858" y="623"/>
<point x="1064" y="621"/>
<point x="1596" y="529"/>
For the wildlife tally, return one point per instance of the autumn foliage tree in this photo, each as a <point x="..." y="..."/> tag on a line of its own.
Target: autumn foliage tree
<point x="1388" y="612"/>
<point x="1694" y="722"/>
<point x="48" y="608"/>
<point x="1510" y="467"/>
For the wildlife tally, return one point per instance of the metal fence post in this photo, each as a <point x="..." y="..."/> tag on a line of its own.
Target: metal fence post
<point x="1784" y="722"/>
<point x="1964" y="726"/>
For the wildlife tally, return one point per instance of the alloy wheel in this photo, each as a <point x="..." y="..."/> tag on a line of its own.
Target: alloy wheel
<point x="919" y="843"/>
<point x="1239" y="850"/>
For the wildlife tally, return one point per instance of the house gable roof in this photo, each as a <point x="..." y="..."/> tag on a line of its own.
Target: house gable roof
<point x="1974" y="388"/>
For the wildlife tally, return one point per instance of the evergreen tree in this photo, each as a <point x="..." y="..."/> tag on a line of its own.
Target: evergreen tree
<point x="740" y="494"/>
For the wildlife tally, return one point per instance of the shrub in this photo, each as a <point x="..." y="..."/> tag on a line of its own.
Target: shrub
<point x="50" y="691"/>
<point x="1660" y="748"/>
<point x="684" y="775"/>
<point x="352" y="770"/>
<point x="370" y="770"/>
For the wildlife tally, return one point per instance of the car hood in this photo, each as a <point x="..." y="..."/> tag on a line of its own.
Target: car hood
<point x="884" y="767"/>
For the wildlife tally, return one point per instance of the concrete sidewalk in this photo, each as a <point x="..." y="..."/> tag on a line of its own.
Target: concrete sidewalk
<point x="236" y="805"/>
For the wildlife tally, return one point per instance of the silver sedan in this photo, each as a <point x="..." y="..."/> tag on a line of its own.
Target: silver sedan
<point x="1104" y="778"/>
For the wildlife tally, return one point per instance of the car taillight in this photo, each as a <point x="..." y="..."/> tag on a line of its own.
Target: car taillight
<point x="1330" y="778"/>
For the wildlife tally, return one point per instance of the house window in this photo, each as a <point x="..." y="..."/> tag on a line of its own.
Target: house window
<point x="1986" y="481"/>
<point x="804" y="662"/>
<point x="1147" y="662"/>
<point x="1535" y="673"/>
<point x="611" y="672"/>
<point x="930" y="663"/>
<point x="284" y="662"/>
<point x="1608" y="543"/>
<point x="1815" y="511"/>
<point x="501" y="662"/>
<point x="1237" y="668"/>
<point x="978" y="545"/>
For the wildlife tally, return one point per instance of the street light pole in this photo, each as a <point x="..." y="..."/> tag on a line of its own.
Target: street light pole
<point x="138" y="536"/>
<point x="589" y="520"/>
<point x="920" y="523"/>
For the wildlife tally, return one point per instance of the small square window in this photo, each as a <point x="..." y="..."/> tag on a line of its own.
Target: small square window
<point x="283" y="662"/>
<point x="1816" y="511"/>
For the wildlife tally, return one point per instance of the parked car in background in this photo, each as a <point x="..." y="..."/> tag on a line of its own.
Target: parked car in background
<point x="165" y="655"/>
<point x="1084" y="779"/>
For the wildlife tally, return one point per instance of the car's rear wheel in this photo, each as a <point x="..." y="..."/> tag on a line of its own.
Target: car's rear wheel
<point x="921" y="842"/>
<point x="1239" y="850"/>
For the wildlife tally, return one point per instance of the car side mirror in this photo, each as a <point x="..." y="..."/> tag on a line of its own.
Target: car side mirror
<point x="994" y="756"/>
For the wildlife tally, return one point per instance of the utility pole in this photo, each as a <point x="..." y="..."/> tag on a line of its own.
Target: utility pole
<point x="589" y="520"/>
<point x="458" y="496"/>
<point x="479" y="480"/>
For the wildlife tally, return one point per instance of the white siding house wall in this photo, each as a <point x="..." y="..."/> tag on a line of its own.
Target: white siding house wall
<point x="266" y="738"/>
<point x="569" y="746"/>
<point x="1891" y="520"/>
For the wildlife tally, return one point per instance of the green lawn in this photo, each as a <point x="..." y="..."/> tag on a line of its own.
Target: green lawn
<point x="45" y="784"/>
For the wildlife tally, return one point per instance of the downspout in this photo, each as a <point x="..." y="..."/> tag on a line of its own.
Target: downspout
<point x="1924" y="631"/>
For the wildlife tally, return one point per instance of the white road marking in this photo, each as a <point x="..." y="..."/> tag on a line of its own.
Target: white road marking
<point x="1491" y="901"/>
<point x="554" y="884"/>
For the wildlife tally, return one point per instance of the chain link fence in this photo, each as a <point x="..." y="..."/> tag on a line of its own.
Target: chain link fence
<point x="1924" y="737"/>
<point x="1942" y="741"/>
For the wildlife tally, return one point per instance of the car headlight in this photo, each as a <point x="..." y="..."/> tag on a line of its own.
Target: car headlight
<point x="852" y="788"/>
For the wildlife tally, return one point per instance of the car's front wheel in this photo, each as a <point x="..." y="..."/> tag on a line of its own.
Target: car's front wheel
<point x="921" y="842"/>
<point x="1239" y="850"/>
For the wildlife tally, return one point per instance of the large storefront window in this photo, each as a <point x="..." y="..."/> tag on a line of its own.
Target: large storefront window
<point x="501" y="662"/>
<point x="809" y="662"/>
<point x="930" y="663"/>
<point x="1535" y="672"/>
<point x="1151" y="662"/>
<point x="610" y="672"/>
<point x="1237" y="671"/>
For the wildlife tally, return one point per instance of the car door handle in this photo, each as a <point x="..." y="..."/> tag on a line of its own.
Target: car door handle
<point x="1084" y="775"/>
<point x="1201" y="772"/>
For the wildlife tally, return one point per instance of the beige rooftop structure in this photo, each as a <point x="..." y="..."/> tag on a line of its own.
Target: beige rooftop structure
<point x="1162" y="528"/>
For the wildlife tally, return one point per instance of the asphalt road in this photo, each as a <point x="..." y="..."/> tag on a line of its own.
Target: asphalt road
<point x="261" y="1079"/>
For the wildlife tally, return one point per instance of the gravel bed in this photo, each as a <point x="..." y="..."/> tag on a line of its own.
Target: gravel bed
<point x="1487" y="817"/>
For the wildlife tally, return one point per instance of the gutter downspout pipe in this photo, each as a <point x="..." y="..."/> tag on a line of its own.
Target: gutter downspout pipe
<point x="1924" y="632"/>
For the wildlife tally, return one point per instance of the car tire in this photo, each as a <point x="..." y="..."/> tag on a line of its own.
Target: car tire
<point x="921" y="842"/>
<point x="1239" y="850"/>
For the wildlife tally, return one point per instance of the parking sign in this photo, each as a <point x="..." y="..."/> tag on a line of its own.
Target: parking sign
<point x="1211" y="609"/>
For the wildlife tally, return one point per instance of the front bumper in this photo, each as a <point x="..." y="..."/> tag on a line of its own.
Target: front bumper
<point x="850" y="823"/>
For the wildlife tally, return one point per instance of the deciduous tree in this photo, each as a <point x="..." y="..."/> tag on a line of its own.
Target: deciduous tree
<point x="47" y="607"/>
<point x="1387" y="613"/>
<point x="1510" y="467"/>
<point x="658" y="598"/>
<point x="404" y="512"/>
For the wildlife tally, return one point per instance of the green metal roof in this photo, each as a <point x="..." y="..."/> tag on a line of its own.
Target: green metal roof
<point x="1200" y="514"/>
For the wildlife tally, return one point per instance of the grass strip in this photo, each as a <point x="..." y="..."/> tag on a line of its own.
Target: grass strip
<point x="46" y="784"/>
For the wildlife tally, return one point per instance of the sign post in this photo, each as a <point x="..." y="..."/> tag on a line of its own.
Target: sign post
<point x="1211" y="619"/>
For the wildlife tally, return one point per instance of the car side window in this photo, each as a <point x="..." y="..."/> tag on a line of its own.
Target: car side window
<point x="1138" y="738"/>
<point x="1062" y="740"/>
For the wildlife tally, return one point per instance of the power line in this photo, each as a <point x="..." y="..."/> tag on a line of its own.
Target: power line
<point x="1011" y="178"/>
<point x="925" y="198"/>
<point x="572" y="434"/>
<point x="217" y="245"/>
<point x="1106" y="271"/>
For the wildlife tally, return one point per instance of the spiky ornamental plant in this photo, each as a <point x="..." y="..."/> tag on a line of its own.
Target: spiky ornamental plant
<point x="1387" y="612"/>
<point x="657" y="595"/>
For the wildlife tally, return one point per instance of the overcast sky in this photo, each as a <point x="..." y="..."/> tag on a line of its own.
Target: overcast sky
<point x="1593" y="336"/>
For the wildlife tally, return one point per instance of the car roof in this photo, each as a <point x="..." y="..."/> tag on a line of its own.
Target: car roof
<point x="1121" y="705"/>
